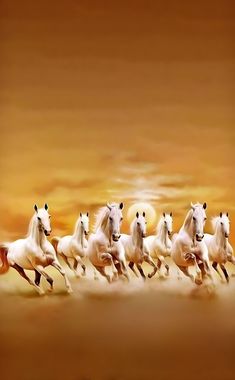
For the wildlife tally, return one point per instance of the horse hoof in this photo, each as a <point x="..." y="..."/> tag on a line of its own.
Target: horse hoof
<point x="41" y="292"/>
<point x="69" y="290"/>
<point x="198" y="281"/>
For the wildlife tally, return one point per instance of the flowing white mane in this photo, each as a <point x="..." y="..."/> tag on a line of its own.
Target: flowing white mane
<point x="214" y="221"/>
<point x="188" y="219"/>
<point x="76" y="224"/>
<point x="132" y="227"/>
<point x="160" y="225"/>
<point x="31" y="225"/>
<point x="102" y="216"/>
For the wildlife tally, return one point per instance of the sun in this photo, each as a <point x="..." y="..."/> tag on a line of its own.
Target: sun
<point x="140" y="207"/>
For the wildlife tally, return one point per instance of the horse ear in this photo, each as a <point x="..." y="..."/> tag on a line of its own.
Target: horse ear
<point x="109" y="207"/>
<point x="164" y="214"/>
<point x="144" y="214"/>
<point x="227" y="214"/>
<point x="121" y="206"/>
<point x="87" y="214"/>
<point x="137" y="215"/>
<point x="221" y="214"/>
<point x="46" y="206"/>
<point x="36" y="208"/>
<point x="192" y="206"/>
<point x="171" y="213"/>
<point x="204" y="205"/>
<point x="80" y="214"/>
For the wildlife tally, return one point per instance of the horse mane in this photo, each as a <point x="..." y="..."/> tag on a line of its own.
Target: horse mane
<point x="159" y="225"/>
<point x="132" y="226"/>
<point x="214" y="222"/>
<point x="76" y="224"/>
<point x="102" y="216"/>
<point x="188" y="219"/>
<point x="32" y="220"/>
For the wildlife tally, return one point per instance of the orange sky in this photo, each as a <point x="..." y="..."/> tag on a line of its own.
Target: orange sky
<point x="115" y="100"/>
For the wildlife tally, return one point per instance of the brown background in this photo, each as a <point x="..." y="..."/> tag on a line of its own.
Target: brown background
<point x="109" y="101"/>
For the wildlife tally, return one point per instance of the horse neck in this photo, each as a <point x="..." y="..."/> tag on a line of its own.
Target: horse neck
<point x="35" y="233"/>
<point x="219" y="237"/>
<point x="137" y="240"/>
<point x="162" y="233"/>
<point x="79" y="234"/>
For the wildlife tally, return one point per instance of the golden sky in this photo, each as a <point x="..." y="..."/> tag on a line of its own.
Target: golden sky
<point x="115" y="100"/>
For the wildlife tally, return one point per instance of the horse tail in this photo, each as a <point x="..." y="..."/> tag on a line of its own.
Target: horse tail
<point x="3" y="258"/>
<point x="54" y="241"/>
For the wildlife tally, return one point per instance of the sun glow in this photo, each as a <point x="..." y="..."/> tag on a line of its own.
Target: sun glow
<point x="141" y="207"/>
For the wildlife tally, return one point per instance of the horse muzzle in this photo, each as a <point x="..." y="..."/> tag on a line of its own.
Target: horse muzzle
<point x="199" y="237"/>
<point x="116" y="237"/>
<point x="47" y="233"/>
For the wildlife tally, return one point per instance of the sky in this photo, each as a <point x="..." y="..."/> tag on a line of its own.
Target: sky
<point x="127" y="101"/>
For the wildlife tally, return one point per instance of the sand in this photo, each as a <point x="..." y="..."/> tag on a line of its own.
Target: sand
<point x="161" y="329"/>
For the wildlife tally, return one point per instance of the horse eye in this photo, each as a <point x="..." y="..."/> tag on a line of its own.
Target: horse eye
<point x="221" y="223"/>
<point x="39" y="218"/>
<point x="49" y="216"/>
<point x="81" y="222"/>
<point x="111" y="219"/>
<point x="121" y="219"/>
<point x="145" y="222"/>
<point x="138" y="223"/>
<point x="194" y="219"/>
<point x="205" y="218"/>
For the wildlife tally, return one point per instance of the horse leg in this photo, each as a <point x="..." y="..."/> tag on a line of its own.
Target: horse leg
<point x="140" y="269"/>
<point x="225" y="272"/>
<point x="150" y="261"/>
<point x="101" y="270"/>
<point x="131" y="266"/>
<point x="214" y="266"/>
<point x="57" y="266"/>
<point x="21" y="271"/>
<point x="202" y="269"/>
<point x="192" y="257"/>
<point x="161" y="260"/>
<point x="79" y="261"/>
<point x="65" y="258"/>
<point x="186" y="272"/>
<point x="40" y="270"/>
<point x="75" y="268"/>
<point x="105" y="256"/>
<point x="124" y="269"/>
<point x="38" y="279"/>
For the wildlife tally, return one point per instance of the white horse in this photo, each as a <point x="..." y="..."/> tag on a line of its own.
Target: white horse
<point x="104" y="248"/>
<point x="188" y="247"/>
<point x="159" y="245"/>
<point x="74" y="246"/>
<point x="220" y="250"/>
<point x="135" y="250"/>
<point x="34" y="252"/>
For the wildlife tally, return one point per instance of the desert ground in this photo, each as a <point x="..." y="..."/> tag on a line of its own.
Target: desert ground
<point x="160" y="329"/>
